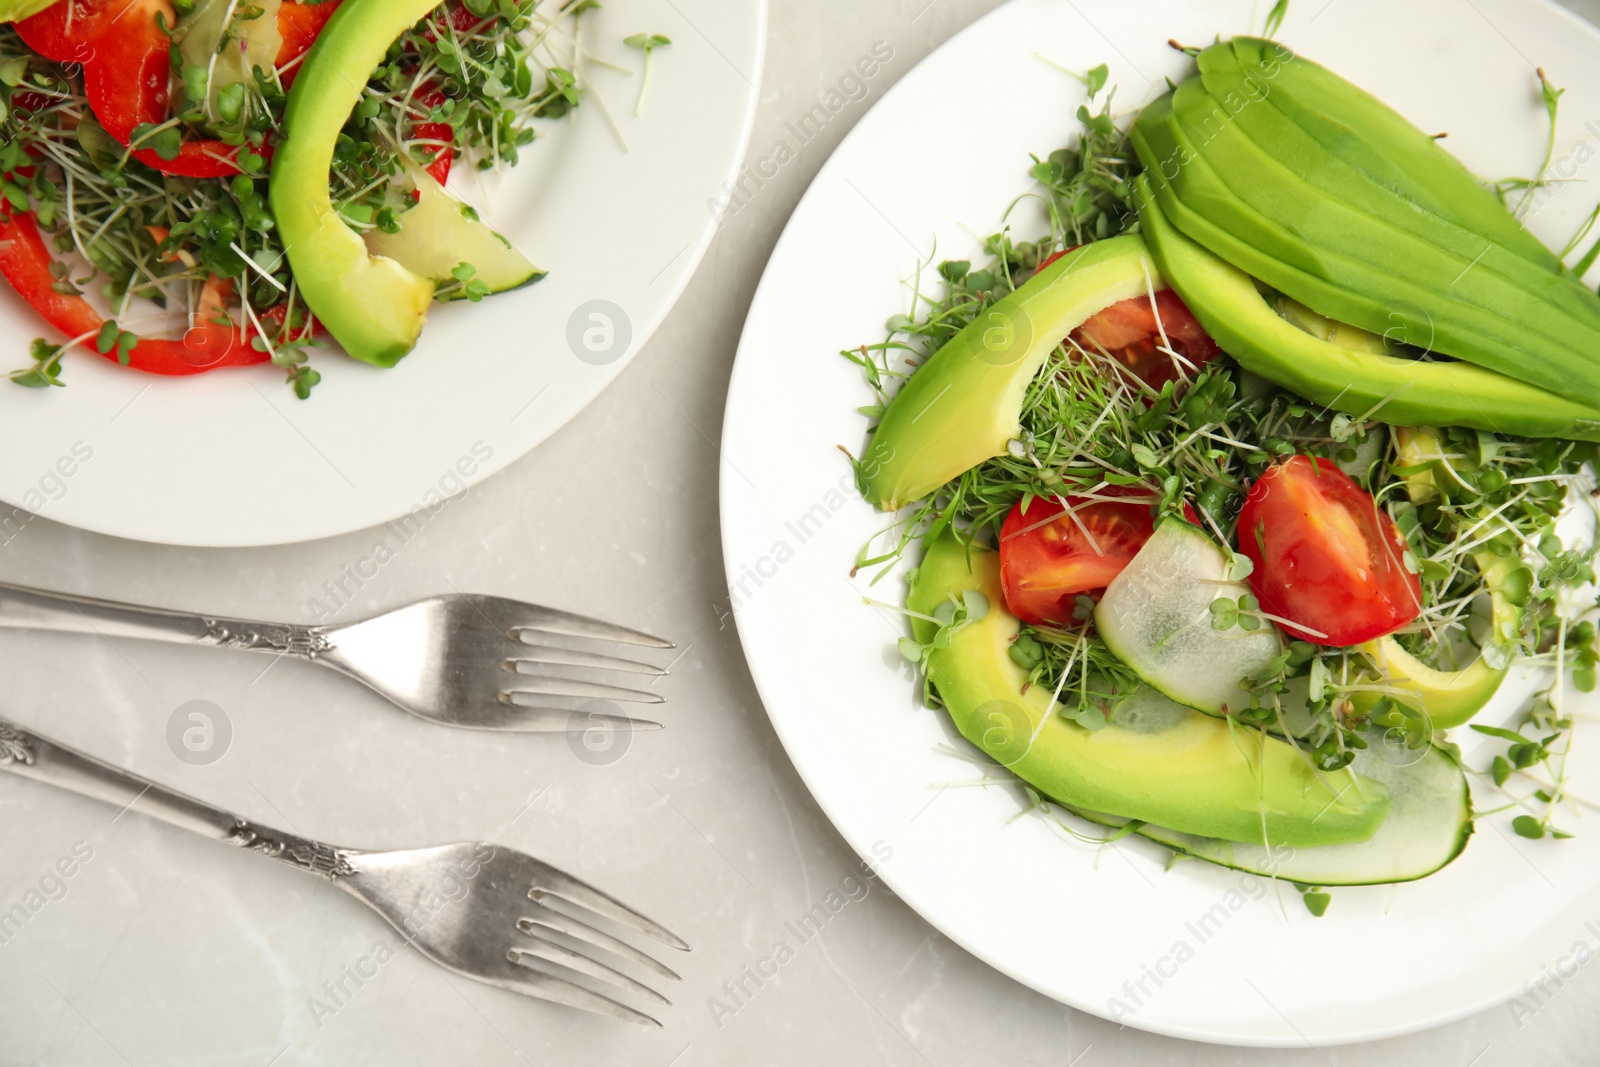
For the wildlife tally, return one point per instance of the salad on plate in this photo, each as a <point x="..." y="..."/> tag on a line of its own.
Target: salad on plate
<point x="187" y="185"/>
<point x="1245" y="488"/>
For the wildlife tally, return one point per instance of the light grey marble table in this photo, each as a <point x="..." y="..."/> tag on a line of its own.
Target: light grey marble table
<point x="157" y="955"/>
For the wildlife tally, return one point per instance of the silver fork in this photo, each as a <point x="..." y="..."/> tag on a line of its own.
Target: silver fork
<point x="482" y="662"/>
<point x="483" y="911"/>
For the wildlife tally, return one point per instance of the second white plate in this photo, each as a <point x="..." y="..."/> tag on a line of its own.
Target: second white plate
<point x="619" y="218"/>
<point x="1195" y="951"/>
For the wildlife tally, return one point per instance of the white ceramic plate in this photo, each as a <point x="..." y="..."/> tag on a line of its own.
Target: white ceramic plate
<point x="232" y="458"/>
<point x="1109" y="931"/>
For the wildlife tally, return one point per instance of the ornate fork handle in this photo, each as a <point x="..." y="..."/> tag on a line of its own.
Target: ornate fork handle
<point x="34" y="757"/>
<point x="35" y="609"/>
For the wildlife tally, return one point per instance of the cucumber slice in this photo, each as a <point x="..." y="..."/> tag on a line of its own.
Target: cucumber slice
<point x="1428" y="826"/>
<point x="441" y="233"/>
<point x="1156" y="618"/>
<point x="202" y="37"/>
<point x="1369" y="450"/>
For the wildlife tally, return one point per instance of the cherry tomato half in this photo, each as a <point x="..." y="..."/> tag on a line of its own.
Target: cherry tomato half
<point x="1047" y="559"/>
<point x="1326" y="556"/>
<point x="1129" y="331"/>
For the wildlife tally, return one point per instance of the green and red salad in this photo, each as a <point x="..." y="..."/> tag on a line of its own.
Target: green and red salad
<point x="189" y="185"/>
<point x="1262" y="470"/>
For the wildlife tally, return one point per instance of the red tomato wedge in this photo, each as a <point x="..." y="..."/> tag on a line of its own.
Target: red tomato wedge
<point x="1129" y="330"/>
<point x="126" y="58"/>
<point x="1048" y="557"/>
<point x="1326" y="557"/>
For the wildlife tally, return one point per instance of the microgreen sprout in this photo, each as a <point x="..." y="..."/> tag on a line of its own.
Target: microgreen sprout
<point x="46" y="369"/>
<point x="646" y="43"/>
<point x="1275" y="17"/>
<point x="1314" y="898"/>
<point x="950" y="618"/>
<point x="1529" y="187"/>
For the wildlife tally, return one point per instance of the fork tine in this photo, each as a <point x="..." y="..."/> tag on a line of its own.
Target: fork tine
<point x="537" y="983"/>
<point x="551" y="919"/>
<point x="550" y="951"/>
<point x="563" y="885"/>
<point x="570" y="687"/>
<point x="569" y="657"/>
<point x="551" y="621"/>
<point x="516" y="717"/>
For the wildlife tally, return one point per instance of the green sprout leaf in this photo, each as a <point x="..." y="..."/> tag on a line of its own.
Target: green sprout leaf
<point x="46" y="369"/>
<point x="1275" y="18"/>
<point x="646" y="43"/>
<point x="1095" y="79"/>
<point x="1500" y="770"/>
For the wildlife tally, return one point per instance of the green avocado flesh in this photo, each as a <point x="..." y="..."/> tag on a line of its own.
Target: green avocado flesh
<point x="1362" y="134"/>
<point x="1429" y="824"/>
<point x="374" y="307"/>
<point x="17" y="10"/>
<point x="963" y="405"/>
<point x="1180" y="769"/>
<point x="1241" y="177"/>
<point x="1404" y="391"/>
<point x="1449" y="698"/>
<point x="1242" y="184"/>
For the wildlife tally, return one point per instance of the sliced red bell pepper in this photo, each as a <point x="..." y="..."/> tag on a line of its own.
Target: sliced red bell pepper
<point x="211" y="341"/>
<point x="60" y="33"/>
<point x="298" y="25"/>
<point x="25" y="261"/>
<point x="126" y="60"/>
<point x="460" y="19"/>
<point x="430" y="97"/>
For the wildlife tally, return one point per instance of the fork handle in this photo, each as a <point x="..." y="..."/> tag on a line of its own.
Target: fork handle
<point x="22" y="608"/>
<point x="32" y="756"/>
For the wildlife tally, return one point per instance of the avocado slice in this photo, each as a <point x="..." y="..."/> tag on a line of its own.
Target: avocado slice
<point x="1336" y="333"/>
<point x="1358" y="268"/>
<point x="1367" y="135"/>
<point x="1305" y="274"/>
<point x="964" y="404"/>
<point x="1449" y="698"/>
<point x="17" y="10"/>
<point x="1420" y="447"/>
<point x="374" y="307"/>
<point x="1404" y="391"/>
<point x="1285" y="175"/>
<point x="1452" y="698"/>
<point x="1179" y="768"/>
<point x="1429" y="824"/>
